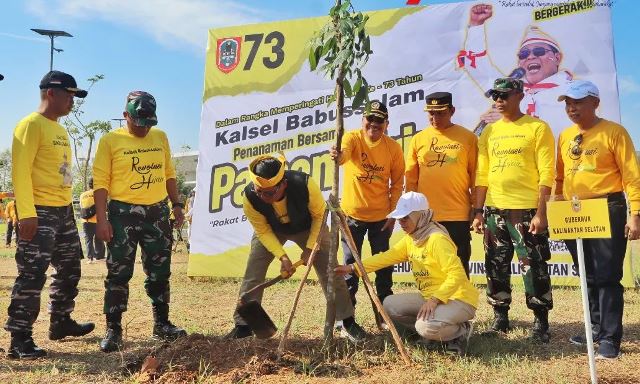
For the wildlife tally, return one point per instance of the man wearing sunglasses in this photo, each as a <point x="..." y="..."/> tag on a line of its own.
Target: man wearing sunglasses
<point x="286" y="206"/>
<point x="597" y="159"/>
<point x="441" y="164"/>
<point x="41" y="156"/>
<point x="513" y="180"/>
<point x="539" y="56"/>
<point x="373" y="180"/>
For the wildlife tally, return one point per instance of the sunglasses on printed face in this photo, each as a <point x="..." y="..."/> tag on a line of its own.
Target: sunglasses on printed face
<point x="267" y="194"/>
<point x="537" y="52"/>
<point x="575" y="145"/>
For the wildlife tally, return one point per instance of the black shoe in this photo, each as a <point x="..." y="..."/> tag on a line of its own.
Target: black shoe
<point x="23" y="347"/>
<point x="608" y="351"/>
<point x="63" y="326"/>
<point x="353" y="332"/>
<point x="540" y="330"/>
<point x="581" y="341"/>
<point x="500" y="322"/>
<point x="112" y="340"/>
<point x="458" y="346"/>
<point x="167" y="331"/>
<point x="239" y="332"/>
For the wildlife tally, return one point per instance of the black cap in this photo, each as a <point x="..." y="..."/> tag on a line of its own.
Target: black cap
<point x="61" y="80"/>
<point x="1" y="77"/>
<point x="438" y="101"/>
<point x="377" y="109"/>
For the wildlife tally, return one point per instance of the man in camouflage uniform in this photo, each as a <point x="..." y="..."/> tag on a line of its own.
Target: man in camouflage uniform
<point x="513" y="180"/>
<point x="133" y="167"/>
<point x="48" y="232"/>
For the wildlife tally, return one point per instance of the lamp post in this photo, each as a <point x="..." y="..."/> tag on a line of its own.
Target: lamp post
<point x="120" y="120"/>
<point x="52" y="35"/>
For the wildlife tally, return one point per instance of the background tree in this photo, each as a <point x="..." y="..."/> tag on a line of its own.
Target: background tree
<point x="341" y="49"/>
<point x="84" y="135"/>
<point x="5" y="171"/>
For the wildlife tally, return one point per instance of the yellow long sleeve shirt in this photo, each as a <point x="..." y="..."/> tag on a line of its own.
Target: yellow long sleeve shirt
<point x="10" y="212"/>
<point x="607" y="163"/>
<point x="435" y="265"/>
<point x="373" y="176"/>
<point x="41" y="157"/>
<point x="514" y="160"/>
<point x="133" y="169"/>
<point x="442" y="166"/>
<point x="264" y="231"/>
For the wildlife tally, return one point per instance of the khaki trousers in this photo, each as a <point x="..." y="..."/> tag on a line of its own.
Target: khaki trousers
<point x="260" y="258"/>
<point x="445" y="324"/>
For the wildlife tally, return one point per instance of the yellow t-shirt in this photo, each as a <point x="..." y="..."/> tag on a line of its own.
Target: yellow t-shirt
<point x="607" y="163"/>
<point x="264" y="231"/>
<point x="514" y="160"/>
<point x="86" y="201"/>
<point x="436" y="267"/>
<point x="133" y="169"/>
<point x="373" y="176"/>
<point x="41" y="157"/>
<point x="442" y="166"/>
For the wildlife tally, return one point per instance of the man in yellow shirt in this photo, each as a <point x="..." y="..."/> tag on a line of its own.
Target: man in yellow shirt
<point x="597" y="159"/>
<point x="513" y="180"/>
<point x="373" y="178"/>
<point x="133" y="167"/>
<point x="95" y="247"/>
<point x="41" y="176"/>
<point x="12" y="221"/>
<point x="447" y="300"/>
<point x="286" y="206"/>
<point x="441" y="164"/>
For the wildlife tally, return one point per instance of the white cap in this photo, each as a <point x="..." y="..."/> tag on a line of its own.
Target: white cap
<point x="409" y="202"/>
<point x="579" y="89"/>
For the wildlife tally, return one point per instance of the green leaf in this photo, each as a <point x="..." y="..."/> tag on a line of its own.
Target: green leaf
<point x="359" y="97"/>
<point x="313" y="59"/>
<point x="347" y="88"/>
<point x="358" y="84"/>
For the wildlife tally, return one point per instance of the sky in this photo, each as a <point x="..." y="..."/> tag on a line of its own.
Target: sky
<point x="159" y="46"/>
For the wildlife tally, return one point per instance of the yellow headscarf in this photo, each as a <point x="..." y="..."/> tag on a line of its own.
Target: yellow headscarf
<point x="272" y="182"/>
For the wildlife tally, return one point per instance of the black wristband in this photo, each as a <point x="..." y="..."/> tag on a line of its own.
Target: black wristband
<point x="478" y="210"/>
<point x="177" y="205"/>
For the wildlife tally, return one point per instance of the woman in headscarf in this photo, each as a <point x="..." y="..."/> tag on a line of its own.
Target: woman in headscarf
<point x="447" y="300"/>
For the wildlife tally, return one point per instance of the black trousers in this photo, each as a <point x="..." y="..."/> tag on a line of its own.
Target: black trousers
<point x="461" y="236"/>
<point x="379" y="242"/>
<point x="11" y="228"/>
<point x="95" y="247"/>
<point x="603" y="260"/>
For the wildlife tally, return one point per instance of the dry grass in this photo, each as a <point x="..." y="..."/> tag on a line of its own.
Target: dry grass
<point x="204" y="308"/>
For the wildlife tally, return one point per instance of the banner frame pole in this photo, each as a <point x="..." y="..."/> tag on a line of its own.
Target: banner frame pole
<point x="585" y="311"/>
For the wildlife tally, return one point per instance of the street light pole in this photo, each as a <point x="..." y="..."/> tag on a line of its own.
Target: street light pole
<point x="120" y="120"/>
<point x="52" y="35"/>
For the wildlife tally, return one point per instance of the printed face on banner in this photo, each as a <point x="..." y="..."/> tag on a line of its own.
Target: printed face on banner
<point x="228" y="53"/>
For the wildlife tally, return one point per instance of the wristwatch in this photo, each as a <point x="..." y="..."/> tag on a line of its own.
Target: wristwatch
<point x="177" y="205"/>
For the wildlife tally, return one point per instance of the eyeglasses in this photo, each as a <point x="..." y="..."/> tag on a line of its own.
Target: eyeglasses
<point x="500" y="95"/>
<point x="575" y="145"/>
<point x="267" y="194"/>
<point x="537" y="52"/>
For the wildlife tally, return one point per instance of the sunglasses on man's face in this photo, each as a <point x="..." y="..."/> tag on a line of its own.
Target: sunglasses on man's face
<point x="500" y="95"/>
<point x="576" y="150"/>
<point x="267" y="194"/>
<point x="537" y="52"/>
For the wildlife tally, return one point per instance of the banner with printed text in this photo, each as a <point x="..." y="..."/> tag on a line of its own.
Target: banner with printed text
<point x="260" y="97"/>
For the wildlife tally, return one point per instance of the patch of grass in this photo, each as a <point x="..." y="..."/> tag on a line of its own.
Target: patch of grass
<point x="205" y="307"/>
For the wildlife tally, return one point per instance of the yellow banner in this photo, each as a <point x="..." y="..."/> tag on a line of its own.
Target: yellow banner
<point x="578" y="219"/>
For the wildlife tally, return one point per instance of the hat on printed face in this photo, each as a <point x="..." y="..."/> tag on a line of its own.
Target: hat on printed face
<point x="409" y="202"/>
<point x="141" y="107"/>
<point x="579" y="89"/>
<point x="61" y="80"/>
<point x="438" y="101"/>
<point x="534" y="35"/>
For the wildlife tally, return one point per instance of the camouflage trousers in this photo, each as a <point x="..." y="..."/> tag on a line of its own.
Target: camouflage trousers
<point x="133" y="225"/>
<point x="55" y="243"/>
<point x="508" y="230"/>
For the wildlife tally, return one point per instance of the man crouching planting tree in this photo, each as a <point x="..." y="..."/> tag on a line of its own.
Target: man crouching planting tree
<point x="133" y="167"/>
<point x="344" y="46"/>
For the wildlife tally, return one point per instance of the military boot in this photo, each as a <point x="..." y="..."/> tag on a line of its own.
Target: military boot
<point x="113" y="338"/>
<point x="540" y="330"/>
<point x="500" y="321"/>
<point x="23" y="347"/>
<point x="163" y="329"/>
<point x="62" y="326"/>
